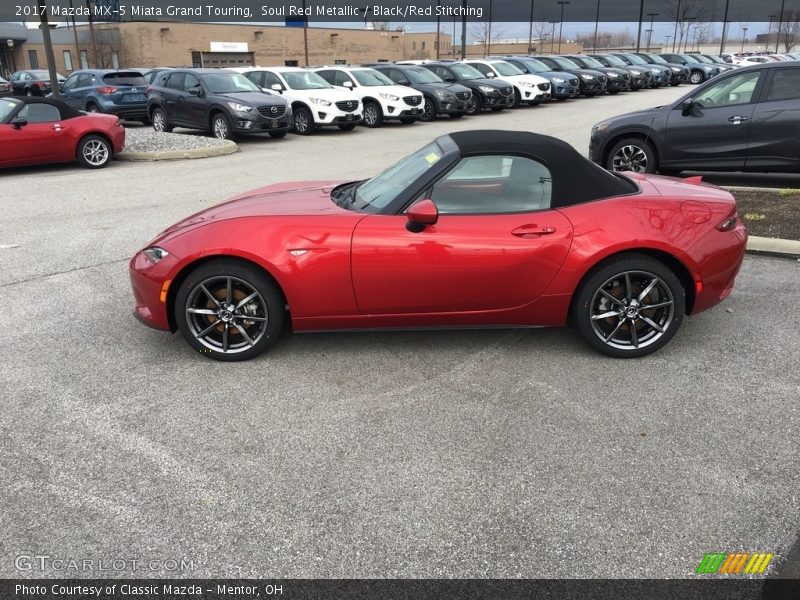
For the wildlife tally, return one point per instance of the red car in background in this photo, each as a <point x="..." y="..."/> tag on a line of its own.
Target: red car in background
<point x="36" y="131"/>
<point x="477" y="229"/>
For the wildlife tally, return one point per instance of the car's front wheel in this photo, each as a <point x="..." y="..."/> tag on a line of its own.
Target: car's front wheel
<point x="303" y="121"/>
<point x="221" y="127"/>
<point x="629" y="307"/>
<point x="697" y="77"/>
<point x="632" y="154"/>
<point x="428" y="110"/>
<point x="228" y="310"/>
<point x="373" y="115"/>
<point x="475" y="105"/>
<point x="94" y="152"/>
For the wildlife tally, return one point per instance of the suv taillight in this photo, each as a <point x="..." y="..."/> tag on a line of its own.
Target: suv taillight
<point x="106" y="89"/>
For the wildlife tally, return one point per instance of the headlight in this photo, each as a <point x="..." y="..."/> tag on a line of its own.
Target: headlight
<point x="390" y="97"/>
<point x="485" y="89"/>
<point x="527" y="84"/>
<point x="440" y="93"/>
<point x="559" y="80"/>
<point x="587" y="77"/>
<point x="676" y="69"/>
<point x="600" y="128"/>
<point x="636" y="72"/>
<point x="612" y="75"/>
<point x="319" y="101"/>
<point x="243" y="108"/>
<point x="155" y="253"/>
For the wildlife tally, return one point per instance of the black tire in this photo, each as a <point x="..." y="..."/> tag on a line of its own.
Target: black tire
<point x="457" y="115"/>
<point x="278" y="134"/>
<point x="348" y="127"/>
<point x="697" y="77"/>
<point x="303" y="121"/>
<point x="92" y="107"/>
<point x="159" y="119"/>
<point x="517" y="99"/>
<point x="475" y="105"/>
<point x="29" y="92"/>
<point x="429" y="111"/>
<point x="221" y="126"/>
<point x="268" y="307"/>
<point x="641" y="157"/>
<point x="94" y="152"/>
<point x="614" y="335"/>
<point x="373" y="114"/>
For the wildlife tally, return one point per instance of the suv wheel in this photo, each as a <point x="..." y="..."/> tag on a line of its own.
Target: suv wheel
<point x="221" y="127"/>
<point x="373" y="115"/>
<point x="92" y="108"/>
<point x="303" y="121"/>
<point x="429" y="110"/>
<point x="697" y="77"/>
<point x="475" y="105"/>
<point x="517" y="99"/>
<point x="632" y="154"/>
<point x="159" y="119"/>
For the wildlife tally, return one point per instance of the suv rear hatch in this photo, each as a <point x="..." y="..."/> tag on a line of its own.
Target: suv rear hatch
<point x="125" y="87"/>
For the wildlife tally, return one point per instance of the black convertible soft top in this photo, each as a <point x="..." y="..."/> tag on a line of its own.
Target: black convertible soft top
<point x="67" y="112"/>
<point x="575" y="179"/>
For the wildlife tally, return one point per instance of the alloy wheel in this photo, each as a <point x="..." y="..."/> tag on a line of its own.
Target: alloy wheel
<point x="370" y="115"/>
<point x="158" y="121"/>
<point x="220" y="128"/>
<point x="226" y="314"/>
<point x="95" y="152"/>
<point x="696" y="77"/>
<point x="429" y="111"/>
<point x="300" y="122"/>
<point x="630" y="158"/>
<point x="632" y="310"/>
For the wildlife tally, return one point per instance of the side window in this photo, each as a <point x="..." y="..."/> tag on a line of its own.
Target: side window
<point x="85" y="80"/>
<point x="40" y="113"/>
<point x="256" y="77"/>
<point x="444" y="74"/>
<point x="785" y="85"/>
<point x="398" y="77"/>
<point x="70" y="83"/>
<point x="494" y="185"/>
<point x="485" y="69"/>
<point x="24" y="77"/>
<point x="175" y="81"/>
<point x="329" y="76"/>
<point x="271" y="79"/>
<point x="729" y="92"/>
<point x="190" y="82"/>
<point x="341" y="77"/>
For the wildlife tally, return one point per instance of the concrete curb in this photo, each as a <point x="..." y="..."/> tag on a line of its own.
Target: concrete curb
<point x="228" y="147"/>
<point x="773" y="247"/>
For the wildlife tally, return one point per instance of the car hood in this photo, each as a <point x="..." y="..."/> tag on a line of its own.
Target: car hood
<point x="534" y="79"/>
<point x="306" y="198"/>
<point x="492" y="83"/>
<point x="254" y="98"/>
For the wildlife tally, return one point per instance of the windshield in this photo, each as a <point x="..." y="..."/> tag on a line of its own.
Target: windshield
<point x="371" y="78"/>
<point x="422" y="75"/>
<point x="7" y="107"/>
<point x="655" y="58"/>
<point x="590" y="62"/>
<point x="379" y="191"/>
<point x="689" y="58"/>
<point x="305" y="80"/>
<point x="564" y="63"/>
<point x="507" y="69"/>
<point x="718" y="60"/>
<point x="637" y="60"/>
<point x="702" y="59"/>
<point x="127" y="78"/>
<point x="229" y="83"/>
<point x="466" y="72"/>
<point x="614" y="61"/>
<point x="536" y="66"/>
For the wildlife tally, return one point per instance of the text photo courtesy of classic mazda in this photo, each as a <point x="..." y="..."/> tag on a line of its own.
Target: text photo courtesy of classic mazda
<point x="482" y="228"/>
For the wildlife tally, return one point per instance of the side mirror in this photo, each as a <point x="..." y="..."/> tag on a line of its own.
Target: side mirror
<point x="277" y="87"/>
<point x="422" y="214"/>
<point x="347" y="84"/>
<point x="19" y="123"/>
<point x="196" y="91"/>
<point x="686" y="107"/>
<point x="267" y="91"/>
<point x="490" y="75"/>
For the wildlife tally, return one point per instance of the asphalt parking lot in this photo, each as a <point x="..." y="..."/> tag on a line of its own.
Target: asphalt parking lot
<point x="441" y="454"/>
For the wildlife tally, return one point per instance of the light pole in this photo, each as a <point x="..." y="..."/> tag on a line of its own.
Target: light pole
<point x="13" y="65"/>
<point x="666" y="43"/>
<point x="563" y="3"/>
<point x="530" y="30"/>
<point x="769" y="31"/>
<point x="650" y="31"/>
<point x="744" y="37"/>
<point x="639" y="34"/>
<point x="780" y="25"/>
<point x="675" y="33"/>
<point x="724" y="28"/>
<point x="596" y="24"/>
<point x="489" y="37"/>
<point x="553" y="37"/>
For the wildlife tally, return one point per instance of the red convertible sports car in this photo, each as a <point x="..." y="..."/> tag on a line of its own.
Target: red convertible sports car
<point x="477" y="229"/>
<point x="36" y="131"/>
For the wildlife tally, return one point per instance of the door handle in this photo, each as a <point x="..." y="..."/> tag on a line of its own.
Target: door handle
<point x="532" y="231"/>
<point x="736" y="119"/>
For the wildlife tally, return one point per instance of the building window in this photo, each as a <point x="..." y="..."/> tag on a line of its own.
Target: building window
<point x="115" y="60"/>
<point x="67" y="60"/>
<point x="423" y="45"/>
<point x="33" y="58"/>
<point x="84" y="59"/>
<point x="291" y="63"/>
<point x="340" y="61"/>
<point x="413" y="45"/>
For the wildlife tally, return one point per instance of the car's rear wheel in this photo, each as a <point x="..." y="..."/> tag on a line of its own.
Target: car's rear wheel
<point x="29" y="92"/>
<point x="373" y="115"/>
<point x="697" y="77"/>
<point x="630" y="307"/>
<point x="160" y="123"/>
<point x="94" y="152"/>
<point x="221" y="126"/>
<point x="92" y="108"/>
<point x="303" y="121"/>
<point x="228" y="310"/>
<point x="632" y="154"/>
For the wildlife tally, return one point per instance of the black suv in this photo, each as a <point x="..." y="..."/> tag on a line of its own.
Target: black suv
<point x="680" y="73"/>
<point x="441" y="98"/>
<point x="593" y="82"/>
<point x="486" y="93"/>
<point x="216" y="100"/>
<point x="618" y="80"/>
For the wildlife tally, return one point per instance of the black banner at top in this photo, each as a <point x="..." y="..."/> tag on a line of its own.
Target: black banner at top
<point x="328" y="11"/>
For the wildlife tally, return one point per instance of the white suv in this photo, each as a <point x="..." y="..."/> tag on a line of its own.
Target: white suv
<point x="381" y="97"/>
<point x="315" y="102"/>
<point x="527" y="87"/>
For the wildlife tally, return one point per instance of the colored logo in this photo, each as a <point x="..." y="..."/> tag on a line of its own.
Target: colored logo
<point x="736" y="563"/>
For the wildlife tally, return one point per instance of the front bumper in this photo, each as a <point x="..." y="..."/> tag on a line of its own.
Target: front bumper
<point x="150" y="282"/>
<point x="337" y="117"/>
<point x="533" y="94"/>
<point x="496" y="100"/>
<point x="592" y="87"/>
<point x="255" y="123"/>
<point x="451" y="106"/>
<point x="566" y="89"/>
<point x="401" y="110"/>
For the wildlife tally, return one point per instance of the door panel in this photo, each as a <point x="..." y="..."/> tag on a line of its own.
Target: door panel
<point x="775" y="129"/>
<point x="35" y="142"/>
<point x="463" y="263"/>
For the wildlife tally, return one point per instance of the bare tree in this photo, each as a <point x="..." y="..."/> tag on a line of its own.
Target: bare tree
<point x="485" y="35"/>
<point x="684" y="13"/>
<point x="790" y="32"/>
